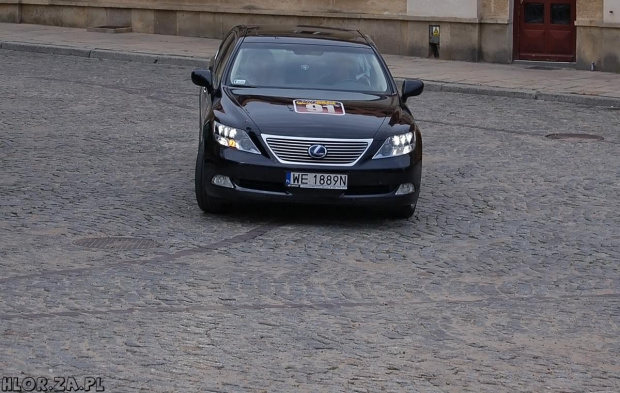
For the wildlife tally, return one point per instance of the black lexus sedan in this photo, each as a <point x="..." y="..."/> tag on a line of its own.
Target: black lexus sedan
<point x="305" y="114"/>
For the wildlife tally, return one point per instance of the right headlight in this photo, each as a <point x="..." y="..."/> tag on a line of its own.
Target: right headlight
<point x="234" y="138"/>
<point x="397" y="145"/>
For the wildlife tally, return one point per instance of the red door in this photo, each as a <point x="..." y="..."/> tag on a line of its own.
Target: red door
<point x="545" y="30"/>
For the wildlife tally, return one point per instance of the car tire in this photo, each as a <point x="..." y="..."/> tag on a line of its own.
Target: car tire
<point x="206" y="203"/>
<point x="404" y="212"/>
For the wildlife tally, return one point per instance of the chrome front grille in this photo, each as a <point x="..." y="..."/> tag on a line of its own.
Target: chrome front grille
<point x="293" y="150"/>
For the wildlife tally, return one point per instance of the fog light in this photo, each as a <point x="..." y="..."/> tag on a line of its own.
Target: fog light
<point x="406" y="188"/>
<point x="222" y="181"/>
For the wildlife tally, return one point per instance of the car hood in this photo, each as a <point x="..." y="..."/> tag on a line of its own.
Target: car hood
<point x="273" y="112"/>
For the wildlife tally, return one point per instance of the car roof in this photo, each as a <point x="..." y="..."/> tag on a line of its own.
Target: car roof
<point x="303" y="34"/>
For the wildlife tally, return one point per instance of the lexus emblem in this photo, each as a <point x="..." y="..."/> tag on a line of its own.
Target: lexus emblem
<point x="317" y="151"/>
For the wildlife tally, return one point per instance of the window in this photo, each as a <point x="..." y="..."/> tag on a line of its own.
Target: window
<point x="534" y="13"/>
<point x="560" y="14"/>
<point x="319" y="67"/>
<point x="222" y="56"/>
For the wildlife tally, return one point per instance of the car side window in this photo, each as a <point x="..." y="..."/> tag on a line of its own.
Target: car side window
<point x="222" y="56"/>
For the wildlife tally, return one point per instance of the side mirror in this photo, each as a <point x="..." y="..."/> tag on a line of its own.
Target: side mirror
<point x="203" y="78"/>
<point x="412" y="88"/>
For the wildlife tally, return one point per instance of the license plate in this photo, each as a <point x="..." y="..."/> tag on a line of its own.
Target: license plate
<point x="316" y="180"/>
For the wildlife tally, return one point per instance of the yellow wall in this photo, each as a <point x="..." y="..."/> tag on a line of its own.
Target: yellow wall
<point x="495" y="9"/>
<point x="590" y="9"/>
<point x="341" y="6"/>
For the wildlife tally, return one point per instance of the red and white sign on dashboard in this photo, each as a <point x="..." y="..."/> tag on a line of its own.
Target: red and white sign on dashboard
<point x="320" y="107"/>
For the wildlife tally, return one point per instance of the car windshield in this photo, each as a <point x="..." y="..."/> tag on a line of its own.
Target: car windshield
<point x="324" y="67"/>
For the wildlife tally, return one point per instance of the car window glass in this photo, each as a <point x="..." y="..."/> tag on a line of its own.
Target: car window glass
<point x="223" y="53"/>
<point x="324" y="67"/>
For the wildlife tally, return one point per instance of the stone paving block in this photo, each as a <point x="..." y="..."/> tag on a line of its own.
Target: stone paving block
<point x="505" y="280"/>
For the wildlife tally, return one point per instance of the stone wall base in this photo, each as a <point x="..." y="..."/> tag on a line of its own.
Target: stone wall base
<point x="598" y="45"/>
<point x="461" y="39"/>
<point x="9" y="13"/>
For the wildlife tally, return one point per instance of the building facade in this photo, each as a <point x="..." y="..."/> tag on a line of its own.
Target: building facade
<point x="586" y="32"/>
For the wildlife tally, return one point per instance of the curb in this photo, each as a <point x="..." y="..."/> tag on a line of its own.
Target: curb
<point x="48" y="49"/>
<point x="188" y="61"/>
<point x="445" y="87"/>
<point x="105" y="54"/>
<point x="515" y="93"/>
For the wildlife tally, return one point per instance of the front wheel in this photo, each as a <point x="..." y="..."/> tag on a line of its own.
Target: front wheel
<point x="206" y="203"/>
<point x="404" y="212"/>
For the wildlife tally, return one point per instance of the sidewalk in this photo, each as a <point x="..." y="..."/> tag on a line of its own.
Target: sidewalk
<point x="594" y="88"/>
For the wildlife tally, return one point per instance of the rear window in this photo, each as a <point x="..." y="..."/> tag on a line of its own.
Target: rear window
<point x="311" y="67"/>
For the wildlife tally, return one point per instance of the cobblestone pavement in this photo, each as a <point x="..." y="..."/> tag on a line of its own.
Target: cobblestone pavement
<point x="519" y="78"/>
<point x="505" y="280"/>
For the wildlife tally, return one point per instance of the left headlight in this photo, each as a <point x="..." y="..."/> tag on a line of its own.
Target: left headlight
<point x="397" y="145"/>
<point x="234" y="138"/>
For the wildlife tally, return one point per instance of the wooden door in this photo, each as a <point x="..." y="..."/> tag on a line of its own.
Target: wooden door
<point x="545" y="30"/>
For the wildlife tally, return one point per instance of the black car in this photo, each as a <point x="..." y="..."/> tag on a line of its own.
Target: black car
<point x="308" y="115"/>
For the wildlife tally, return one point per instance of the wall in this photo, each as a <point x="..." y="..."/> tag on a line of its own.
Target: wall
<point x="611" y="11"/>
<point x="598" y="35"/>
<point x="344" y="6"/>
<point x="443" y="8"/>
<point x="598" y="45"/>
<point x="590" y="10"/>
<point x="9" y="13"/>
<point x="495" y="9"/>
<point x="386" y="21"/>
<point x="471" y="30"/>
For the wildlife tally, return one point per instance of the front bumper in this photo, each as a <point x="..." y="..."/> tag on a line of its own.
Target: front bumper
<point x="261" y="179"/>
